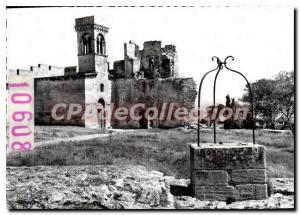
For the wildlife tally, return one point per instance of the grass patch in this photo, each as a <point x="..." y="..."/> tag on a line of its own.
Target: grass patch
<point x="45" y="133"/>
<point x="162" y="150"/>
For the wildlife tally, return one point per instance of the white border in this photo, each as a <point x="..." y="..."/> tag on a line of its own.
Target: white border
<point x="211" y="3"/>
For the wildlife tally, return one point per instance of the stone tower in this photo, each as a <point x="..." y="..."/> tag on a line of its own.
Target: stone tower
<point x="93" y="65"/>
<point x="91" y="45"/>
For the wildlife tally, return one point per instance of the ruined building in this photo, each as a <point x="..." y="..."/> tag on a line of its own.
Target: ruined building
<point x="149" y="76"/>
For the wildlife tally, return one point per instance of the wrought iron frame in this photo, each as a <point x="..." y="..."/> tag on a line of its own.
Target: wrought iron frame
<point x="220" y="66"/>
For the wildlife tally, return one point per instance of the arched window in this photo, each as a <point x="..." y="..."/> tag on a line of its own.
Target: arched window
<point x="100" y="44"/>
<point x="101" y="87"/>
<point x="86" y="43"/>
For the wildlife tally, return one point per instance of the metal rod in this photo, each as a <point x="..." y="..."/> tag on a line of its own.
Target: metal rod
<point x="215" y="81"/>
<point x="219" y="68"/>
<point x="250" y="93"/>
<point x="199" y="95"/>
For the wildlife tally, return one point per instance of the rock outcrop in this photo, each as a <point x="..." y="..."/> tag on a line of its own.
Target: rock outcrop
<point x="118" y="187"/>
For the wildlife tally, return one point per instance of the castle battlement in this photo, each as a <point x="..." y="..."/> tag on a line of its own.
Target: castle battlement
<point x="148" y="75"/>
<point x="153" y="61"/>
<point x="41" y="70"/>
<point x="88" y="22"/>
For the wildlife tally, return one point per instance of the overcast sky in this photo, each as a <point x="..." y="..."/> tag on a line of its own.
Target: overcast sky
<point x="260" y="39"/>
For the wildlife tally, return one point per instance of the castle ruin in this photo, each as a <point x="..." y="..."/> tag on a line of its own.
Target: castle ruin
<point x="148" y="76"/>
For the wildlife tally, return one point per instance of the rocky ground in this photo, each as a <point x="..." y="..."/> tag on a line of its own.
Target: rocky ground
<point x="119" y="187"/>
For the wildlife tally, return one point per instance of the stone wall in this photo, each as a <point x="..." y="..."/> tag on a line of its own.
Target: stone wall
<point x="95" y="96"/>
<point x="92" y="63"/>
<point x="169" y="62"/>
<point x="228" y="172"/>
<point x="51" y="91"/>
<point x="70" y="70"/>
<point x="43" y="70"/>
<point x="118" y="69"/>
<point x="153" y="93"/>
<point x="153" y="61"/>
<point x="132" y="59"/>
<point x="151" y="58"/>
<point x="86" y="63"/>
<point x="39" y="71"/>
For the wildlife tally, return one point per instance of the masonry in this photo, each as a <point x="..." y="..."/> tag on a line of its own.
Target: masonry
<point x="149" y="75"/>
<point x="174" y="93"/>
<point x="229" y="172"/>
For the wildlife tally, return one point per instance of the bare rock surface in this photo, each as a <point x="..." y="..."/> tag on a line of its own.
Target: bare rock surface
<point x="119" y="187"/>
<point x="283" y="185"/>
<point x="86" y="187"/>
<point x="275" y="201"/>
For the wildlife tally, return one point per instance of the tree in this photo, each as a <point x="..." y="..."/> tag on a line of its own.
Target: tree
<point x="285" y="98"/>
<point x="233" y="123"/>
<point x="274" y="99"/>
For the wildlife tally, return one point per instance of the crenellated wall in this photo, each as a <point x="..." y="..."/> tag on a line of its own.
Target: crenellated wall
<point x="148" y="76"/>
<point x="41" y="70"/>
<point x="153" y="61"/>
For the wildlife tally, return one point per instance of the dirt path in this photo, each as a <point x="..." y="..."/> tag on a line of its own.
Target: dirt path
<point x="80" y="138"/>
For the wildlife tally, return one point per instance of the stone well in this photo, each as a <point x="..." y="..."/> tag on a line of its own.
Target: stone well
<point x="228" y="171"/>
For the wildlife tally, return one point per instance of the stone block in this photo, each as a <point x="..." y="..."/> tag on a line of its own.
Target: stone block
<point x="246" y="191"/>
<point x="154" y="92"/>
<point x="210" y="177"/>
<point x="220" y="193"/>
<point x="228" y="156"/>
<point x="247" y="176"/>
<point x="261" y="191"/>
<point x="52" y="91"/>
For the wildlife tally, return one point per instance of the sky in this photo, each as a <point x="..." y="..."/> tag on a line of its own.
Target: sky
<point x="260" y="38"/>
